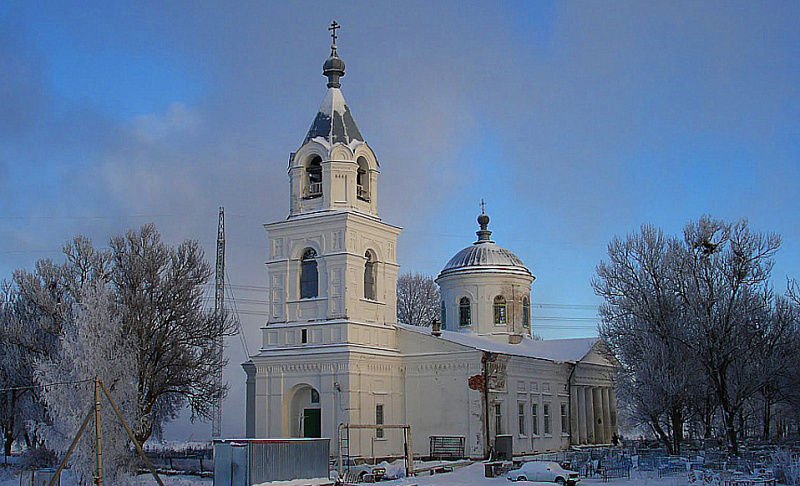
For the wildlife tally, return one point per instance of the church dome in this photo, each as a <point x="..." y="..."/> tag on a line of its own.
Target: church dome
<point x="485" y="255"/>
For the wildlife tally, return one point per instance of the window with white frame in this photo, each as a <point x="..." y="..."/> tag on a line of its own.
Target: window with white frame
<point x="564" y="419"/>
<point x="498" y="418"/>
<point x="500" y="316"/>
<point x="526" y="312"/>
<point x="535" y="419"/>
<point x="464" y="312"/>
<point x="379" y="420"/>
<point x="546" y="418"/>
<point x="521" y="417"/>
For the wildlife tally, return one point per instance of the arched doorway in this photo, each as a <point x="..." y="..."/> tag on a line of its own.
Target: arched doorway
<point x="305" y="412"/>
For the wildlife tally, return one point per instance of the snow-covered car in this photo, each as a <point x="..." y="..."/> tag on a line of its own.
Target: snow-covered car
<point x="550" y="472"/>
<point x="357" y="468"/>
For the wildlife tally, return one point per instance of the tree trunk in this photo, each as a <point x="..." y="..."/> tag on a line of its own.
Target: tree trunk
<point x="8" y="441"/>
<point x="663" y="437"/>
<point x="767" y="416"/>
<point x="677" y="430"/>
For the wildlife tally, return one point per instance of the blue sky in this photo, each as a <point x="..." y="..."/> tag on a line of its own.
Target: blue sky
<point x="576" y="121"/>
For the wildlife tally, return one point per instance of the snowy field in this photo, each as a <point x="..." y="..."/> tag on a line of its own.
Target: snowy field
<point x="472" y="475"/>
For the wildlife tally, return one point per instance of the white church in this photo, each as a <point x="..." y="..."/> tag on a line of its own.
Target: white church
<point x="333" y="352"/>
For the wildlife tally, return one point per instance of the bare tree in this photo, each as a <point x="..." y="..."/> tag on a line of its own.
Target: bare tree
<point x="704" y="301"/>
<point x="643" y="326"/>
<point x="731" y="311"/>
<point x="158" y="292"/>
<point x="171" y="335"/>
<point x="417" y="299"/>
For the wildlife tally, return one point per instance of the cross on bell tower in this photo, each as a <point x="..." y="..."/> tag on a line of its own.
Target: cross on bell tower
<point x="332" y="28"/>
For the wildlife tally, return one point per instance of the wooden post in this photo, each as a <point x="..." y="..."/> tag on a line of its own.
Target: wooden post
<point x="130" y="434"/>
<point x="71" y="447"/>
<point x="410" y="451"/>
<point x="98" y="449"/>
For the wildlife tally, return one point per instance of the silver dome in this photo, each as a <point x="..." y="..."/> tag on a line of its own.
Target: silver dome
<point x="485" y="255"/>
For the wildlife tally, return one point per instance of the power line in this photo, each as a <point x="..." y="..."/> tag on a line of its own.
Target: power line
<point x="45" y="385"/>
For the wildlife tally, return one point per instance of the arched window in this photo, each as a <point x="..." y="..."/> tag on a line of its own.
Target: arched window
<point x="314" y="176"/>
<point x="362" y="179"/>
<point x="464" y="312"/>
<point x="526" y="312"/>
<point x="500" y="316"/>
<point x="370" y="271"/>
<point x="444" y="316"/>
<point x="308" y="274"/>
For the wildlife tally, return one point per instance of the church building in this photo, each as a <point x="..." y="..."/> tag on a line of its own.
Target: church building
<point x="333" y="353"/>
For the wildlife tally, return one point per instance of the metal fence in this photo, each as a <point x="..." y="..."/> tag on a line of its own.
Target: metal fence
<point x="247" y="462"/>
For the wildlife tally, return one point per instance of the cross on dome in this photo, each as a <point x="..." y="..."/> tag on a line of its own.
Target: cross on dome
<point x="333" y="28"/>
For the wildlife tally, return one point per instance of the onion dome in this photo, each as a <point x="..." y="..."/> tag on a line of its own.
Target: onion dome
<point x="333" y="68"/>
<point x="485" y="256"/>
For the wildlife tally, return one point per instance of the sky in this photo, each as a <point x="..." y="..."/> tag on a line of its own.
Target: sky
<point x="576" y="121"/>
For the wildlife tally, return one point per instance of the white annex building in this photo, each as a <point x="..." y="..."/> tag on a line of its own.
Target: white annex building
<point x="333" y="352"/>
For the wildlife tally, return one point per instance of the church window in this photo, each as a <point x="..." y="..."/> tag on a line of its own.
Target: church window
<point x="308" y="274"/>
<point x="362" y="179"/>
<point x="304" y="336"/>
<point x="444" y="316"/>
<point x="498" y="418"/>
<point x="500" y="316"/>
<point x="314" y="177"/>
<point x="564" y="419"/>
<point x="521" y="417"/>
<point x="546" y="417"/>
<point x="379" y="420"/>
<point x="314" y="396"/>
<point x="526" y="312"/>
<point x="464" y="312"/>
<point x="535" y="418"/>
<point x="370" y="269"/>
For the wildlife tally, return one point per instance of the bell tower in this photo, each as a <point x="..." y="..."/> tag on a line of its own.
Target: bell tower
<point x="333" y="258"/>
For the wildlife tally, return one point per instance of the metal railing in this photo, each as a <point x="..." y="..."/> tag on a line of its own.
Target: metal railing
<point x="314" y="189"/>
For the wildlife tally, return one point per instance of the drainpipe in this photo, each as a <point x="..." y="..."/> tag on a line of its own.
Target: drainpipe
<point x="486" y="358"/>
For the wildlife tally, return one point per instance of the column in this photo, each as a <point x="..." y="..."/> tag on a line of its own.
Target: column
<point x="574" y="436"/>
<point x="612" y="402"/>
<point x="589" y="416"/>
<point x="606" y="415"/>
<point x="262" y="419"/>
<point x="597" y="402"/>
<point x="581" y="393"/>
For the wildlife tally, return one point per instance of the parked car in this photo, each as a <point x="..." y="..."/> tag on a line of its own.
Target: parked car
<point x="358" y="468"/>
<point x="550" y="472"/>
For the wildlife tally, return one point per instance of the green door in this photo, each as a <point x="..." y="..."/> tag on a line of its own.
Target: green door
<point x="312" y="426"/>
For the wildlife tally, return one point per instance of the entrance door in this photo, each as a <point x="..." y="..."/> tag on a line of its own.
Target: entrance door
<point x="312" y="426"/>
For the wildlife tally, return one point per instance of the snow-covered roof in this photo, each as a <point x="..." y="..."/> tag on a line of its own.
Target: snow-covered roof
<point x="334" y="123"/>
<point x="558" y="350"/>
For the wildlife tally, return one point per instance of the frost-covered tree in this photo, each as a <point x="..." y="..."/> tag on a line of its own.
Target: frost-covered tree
<point x="703" y="300"/>
<point x="93" y="343"/>
<point x="417" y="299"/>
<point x="643" y="327"/>
<point x="731" y="311"/>
<point x="158" y="293"/>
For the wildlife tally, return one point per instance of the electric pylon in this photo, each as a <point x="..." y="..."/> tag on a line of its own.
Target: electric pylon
<point x="219" y="314"/>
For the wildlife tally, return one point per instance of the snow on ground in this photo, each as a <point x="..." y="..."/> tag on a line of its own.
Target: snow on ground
<point x="472" y="475"/>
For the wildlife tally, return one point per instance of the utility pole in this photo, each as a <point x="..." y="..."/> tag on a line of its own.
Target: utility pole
<point x="219" y="306"/>
<point x="98" y="449"/>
